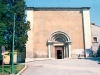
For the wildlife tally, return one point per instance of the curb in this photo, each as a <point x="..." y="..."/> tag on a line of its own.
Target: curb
<point x="41" y="59"/>
<point x="22" y="70"/>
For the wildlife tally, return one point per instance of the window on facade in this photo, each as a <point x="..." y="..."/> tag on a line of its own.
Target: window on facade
<point x="59" y="40"/>
<point x="95" y="39"/>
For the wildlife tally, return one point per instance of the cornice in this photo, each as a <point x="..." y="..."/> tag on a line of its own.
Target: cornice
<point x="57" y="8"/>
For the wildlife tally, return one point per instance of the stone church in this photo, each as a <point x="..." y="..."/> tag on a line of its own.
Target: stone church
<point x="58" y="32"/>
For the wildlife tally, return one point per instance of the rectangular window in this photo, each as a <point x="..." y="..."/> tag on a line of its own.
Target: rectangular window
<point x="95" y="39"/>
<point x="19" y="58"/>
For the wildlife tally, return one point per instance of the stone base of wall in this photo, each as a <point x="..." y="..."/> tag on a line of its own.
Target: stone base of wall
<point x="28" y="59"/>
<point x="79" y="53"/>
<point x="76" y="56"/>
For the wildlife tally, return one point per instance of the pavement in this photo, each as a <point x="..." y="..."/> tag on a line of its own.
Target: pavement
<point x="89" y="66"/>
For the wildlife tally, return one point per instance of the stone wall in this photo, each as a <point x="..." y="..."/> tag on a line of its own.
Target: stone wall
<point x="95" y="45"/>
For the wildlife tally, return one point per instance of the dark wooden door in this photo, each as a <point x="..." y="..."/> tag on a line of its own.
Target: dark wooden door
<point x="59" y="52"/>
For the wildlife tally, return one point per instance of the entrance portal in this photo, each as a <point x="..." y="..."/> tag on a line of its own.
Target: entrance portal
<point x="59" y="45"/>
<point x="59" y="52"/>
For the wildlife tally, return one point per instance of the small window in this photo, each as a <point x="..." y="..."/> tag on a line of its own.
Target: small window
<point x="59" y="40"/>
<point x="95" y="39"/>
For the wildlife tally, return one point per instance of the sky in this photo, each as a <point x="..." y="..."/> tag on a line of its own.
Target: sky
<point x="93" y="4"/>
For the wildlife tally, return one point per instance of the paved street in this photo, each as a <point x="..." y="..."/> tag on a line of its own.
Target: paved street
<point x="64" y="67"/>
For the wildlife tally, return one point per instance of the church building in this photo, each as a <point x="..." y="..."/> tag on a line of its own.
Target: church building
<point x="58" y="32"/>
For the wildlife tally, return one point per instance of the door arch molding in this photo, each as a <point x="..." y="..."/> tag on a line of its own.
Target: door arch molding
<point x="64" y="40"/>
<point x="59" y="33"/>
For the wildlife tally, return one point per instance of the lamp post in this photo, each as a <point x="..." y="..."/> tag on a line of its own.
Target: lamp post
<point x="12" y="62"/>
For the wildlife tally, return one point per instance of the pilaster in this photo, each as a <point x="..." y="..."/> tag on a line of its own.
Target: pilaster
<point x="87" y="28"/>
<point x="29" y="44"/>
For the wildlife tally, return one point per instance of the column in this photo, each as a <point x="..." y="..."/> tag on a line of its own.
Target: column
<point x="69" y="44"/>
<point x="49" y="51"/>
<point x="66" y="48"/>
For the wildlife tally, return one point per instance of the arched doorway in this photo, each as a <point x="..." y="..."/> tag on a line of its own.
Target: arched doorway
<point x="59" y="45"/>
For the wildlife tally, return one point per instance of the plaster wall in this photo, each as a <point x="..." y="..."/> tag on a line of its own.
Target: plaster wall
<point x="95" y="45"/>
<point x="47" y="22"/>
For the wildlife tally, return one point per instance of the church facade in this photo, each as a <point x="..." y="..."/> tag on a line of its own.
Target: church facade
<point x="58" y="33"/>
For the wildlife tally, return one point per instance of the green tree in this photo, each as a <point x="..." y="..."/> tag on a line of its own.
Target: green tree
<point x="2" y="24"/>
<point x="9" y="8"/>
<point x="21" y="27"/>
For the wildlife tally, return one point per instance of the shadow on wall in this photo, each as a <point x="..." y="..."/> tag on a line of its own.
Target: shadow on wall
<point x="89" y="53"/>
<point x="96" y="49"/>
<point x="80" y="53"/>
<point x="93" y="53"/>
<point x="98" y="52"/>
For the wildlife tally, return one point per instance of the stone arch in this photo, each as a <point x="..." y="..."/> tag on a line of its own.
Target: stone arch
<point x="60" y="34"/>
<point x="59" y="39"/>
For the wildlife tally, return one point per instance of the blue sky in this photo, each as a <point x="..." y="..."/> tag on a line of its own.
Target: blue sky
<point x="94" y="4"/>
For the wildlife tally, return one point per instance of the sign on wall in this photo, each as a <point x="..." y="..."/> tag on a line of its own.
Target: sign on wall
<point x="3" y="49"/>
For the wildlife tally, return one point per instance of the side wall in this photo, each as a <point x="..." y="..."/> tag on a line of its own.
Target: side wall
<point x="29" y="44"/>
<point x="95" y="45"/>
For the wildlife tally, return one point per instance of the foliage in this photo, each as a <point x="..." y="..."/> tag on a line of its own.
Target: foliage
<point x="2" y="24"/>
<point x="11" y="8"/>
<point x="7" y="68"/>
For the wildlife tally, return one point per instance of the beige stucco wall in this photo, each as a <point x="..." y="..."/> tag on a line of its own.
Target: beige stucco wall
<point x="47" y="22"/>
<point x="7" y="57"/>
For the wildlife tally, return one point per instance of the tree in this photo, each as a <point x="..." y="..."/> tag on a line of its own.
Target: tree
<point x="2" y="24"/>
<point x="21" y="27"/>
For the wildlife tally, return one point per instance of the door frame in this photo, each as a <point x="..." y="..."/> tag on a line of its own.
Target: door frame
<point x="59" y="48"/>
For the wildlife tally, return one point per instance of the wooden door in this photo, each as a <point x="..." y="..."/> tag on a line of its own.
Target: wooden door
<point x="59" y="52"/>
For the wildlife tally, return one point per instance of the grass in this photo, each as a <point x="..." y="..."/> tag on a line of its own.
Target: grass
<point x="7" y="69"/>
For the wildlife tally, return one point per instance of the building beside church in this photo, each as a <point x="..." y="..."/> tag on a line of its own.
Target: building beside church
<point x="57" y="32"/>
<point x="95" y="32"/>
